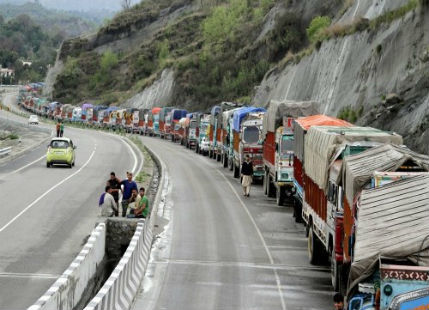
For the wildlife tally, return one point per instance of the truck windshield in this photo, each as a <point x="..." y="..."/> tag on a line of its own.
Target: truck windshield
<point x="193" y="125"/>
<point x="287" y="145"/>
<point x="156" y="118"/>
<point x="204" y="127"/>
<point x="251" y="134"/>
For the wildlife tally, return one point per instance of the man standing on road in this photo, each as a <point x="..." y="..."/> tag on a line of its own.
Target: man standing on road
<point x="108" y="207"/>
<point x="115" y="185"/>
<point x="247" y="175"/>
<point x="58" y="127"/>
<point x="61" y="129"/>
<point x="142" y="210"/>
<point x="128" y="184"/>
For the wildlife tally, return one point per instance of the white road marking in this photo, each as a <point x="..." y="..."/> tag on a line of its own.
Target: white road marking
<point x="270" y="257"/>
<point x="26" y="166"/>
<point x="48" y="191"/>
<point x="29" y="275"/>
<point x="134" y="169"/>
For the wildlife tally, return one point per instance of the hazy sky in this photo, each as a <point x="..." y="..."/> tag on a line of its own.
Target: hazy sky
<point x="76" y="5"/>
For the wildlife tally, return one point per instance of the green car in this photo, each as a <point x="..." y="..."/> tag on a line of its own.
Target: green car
<point x="60" y="151"/>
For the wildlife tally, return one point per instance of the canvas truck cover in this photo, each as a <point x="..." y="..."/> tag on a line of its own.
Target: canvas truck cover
<point x="241" y="113"/>
<point x="156" y="111"/>
<point x="322" y="142"/>
<point x="358" y="169"/>
<point x="215" y="111"/>
<point x="163" y="113"/>
<point x="303" y="124"/>
<point x="226" y="115"/>
<point x="273" y="119"/>
<point x="142" y="112"/>
<point x="392" y="223"/>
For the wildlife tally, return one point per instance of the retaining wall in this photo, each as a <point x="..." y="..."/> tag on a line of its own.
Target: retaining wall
<point x="68" y="290"/>
<point x="119" y="291"/>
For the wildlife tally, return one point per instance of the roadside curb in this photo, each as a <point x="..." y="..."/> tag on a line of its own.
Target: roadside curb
<point x="121" y="288"/>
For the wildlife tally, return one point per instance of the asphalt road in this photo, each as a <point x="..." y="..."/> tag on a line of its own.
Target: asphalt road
<point x="46" y="214"/>
<point x="220" y="250"/>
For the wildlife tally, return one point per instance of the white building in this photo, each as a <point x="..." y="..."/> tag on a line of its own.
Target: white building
<point x="5" y="72"/>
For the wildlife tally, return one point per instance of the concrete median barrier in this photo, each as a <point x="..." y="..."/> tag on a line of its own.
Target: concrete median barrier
<point x="68" y="290"/>
<point x="119" y="291"/>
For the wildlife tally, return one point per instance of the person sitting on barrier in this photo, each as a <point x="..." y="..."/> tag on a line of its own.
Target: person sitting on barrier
<point x="142" y="210"/>
<point x="128" y="184"/>
<point x="338" y="301"/>
<point x="108" y="206"/>
<point x="133" y="201"/>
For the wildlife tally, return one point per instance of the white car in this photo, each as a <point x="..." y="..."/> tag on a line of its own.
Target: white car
<point x="33" y="120"/>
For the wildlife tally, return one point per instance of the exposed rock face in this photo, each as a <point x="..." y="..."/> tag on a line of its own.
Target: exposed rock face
<point x="160" y="93"/>
<point x="360" y="70"/>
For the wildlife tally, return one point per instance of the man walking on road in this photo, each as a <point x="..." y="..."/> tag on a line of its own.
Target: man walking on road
<point x="247" y="175"/>
<point x="58" y="127"/>
<point x="61" y="129"/>
<point x="129" y="185"/>
<point x="115" y="185"/>
<point x="108" y="206"/>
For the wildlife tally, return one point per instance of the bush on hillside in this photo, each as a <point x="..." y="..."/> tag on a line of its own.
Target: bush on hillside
<point x="317" y="26"/>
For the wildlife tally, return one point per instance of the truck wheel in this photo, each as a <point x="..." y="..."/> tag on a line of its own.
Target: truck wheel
<point x="218" y="157"/>
<point x="280" y="196"/>
<point x="230" y="165"/>
<point x="236" y="171"/>
<point x="271" y="192"/>
<point x="297" y="210"/>
<point x="314" y="247"/>
<point x="196" y="148"/>
<point x="225" y="161"/>
<point x="264" y="183"/>
<point x="335" y="272"/>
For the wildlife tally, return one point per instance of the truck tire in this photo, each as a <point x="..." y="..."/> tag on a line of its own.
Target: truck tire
<point x="218" y="157"/>
<point x="265" y="183"/>
<point x="230" y="165"/>
<point x="271" y="188"/>
<point x="335" y="272"/>
<point x="225" y="161"/>
<point x="315" y="251"/>
<point x="280" y="196"/>
<point x="297" y="210"/>
<point x="236" y="171"/>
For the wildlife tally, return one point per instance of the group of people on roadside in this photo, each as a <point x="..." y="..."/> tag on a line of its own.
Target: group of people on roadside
<point x="60" y="129"/>
<point x="134" y="202"/>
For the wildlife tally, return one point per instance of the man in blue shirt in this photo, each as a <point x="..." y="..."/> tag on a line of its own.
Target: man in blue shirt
<point x="128" y="186"/>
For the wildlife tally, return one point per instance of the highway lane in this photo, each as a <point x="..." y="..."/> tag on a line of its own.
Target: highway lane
<point x="46" y="214"/>
<point x="221" y="250"/>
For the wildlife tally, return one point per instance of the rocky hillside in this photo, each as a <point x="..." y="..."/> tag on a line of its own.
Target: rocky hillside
<point x="363" y="60"/>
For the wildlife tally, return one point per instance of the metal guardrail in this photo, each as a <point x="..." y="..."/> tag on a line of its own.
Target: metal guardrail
<point x="5" y="151"/>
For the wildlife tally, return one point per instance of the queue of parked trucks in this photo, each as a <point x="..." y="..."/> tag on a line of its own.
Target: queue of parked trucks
<point x="362" y="195"/>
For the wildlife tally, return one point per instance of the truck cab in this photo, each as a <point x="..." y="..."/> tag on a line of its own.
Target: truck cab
<point x="284" y="160"/>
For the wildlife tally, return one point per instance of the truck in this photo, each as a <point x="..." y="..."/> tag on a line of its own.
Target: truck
<point x="325" y="148"/>
<point x="191" y="130"/>
<point x="278" y="146"/>
<point x="140" y="125"/>
<point x="247" y="139"/>
<point x="87" y="112"/>
<point x="203" y="121"/>
<point x="300" y="127"/>
<point x="390" y="268"/>
<point x="77" y="114"/>
<point x="153" y="121"/>
<point x="227" y="147"/>
<point x="214" y="130"/>
<point x="373" y="168"/>
<point x="163" y="114"/>
<point x="176" y="129"/>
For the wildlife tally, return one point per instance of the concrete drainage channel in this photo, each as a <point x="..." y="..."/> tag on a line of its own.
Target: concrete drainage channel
<point x="108" y="271"/>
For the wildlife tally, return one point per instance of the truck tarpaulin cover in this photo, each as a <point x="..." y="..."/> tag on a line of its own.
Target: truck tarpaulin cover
<point x="241" y="113"/>
<point x="215" y="112"/>
<point x="359" y="169"/>
<point x="226" y="116"/>
<point x="155" y="111"/>
<point x="322" y="142"/>
<point x="302" y="124"/>
<point x="273" y="119"/>
<point x="392" y="223"/>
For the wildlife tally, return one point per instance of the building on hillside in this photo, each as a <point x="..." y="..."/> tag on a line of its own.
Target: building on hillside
<point x="5" y="72"/>
<point x="26" y="63"/>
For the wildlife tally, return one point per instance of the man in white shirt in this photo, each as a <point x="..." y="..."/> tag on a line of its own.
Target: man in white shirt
<point x="108" y="207"/>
